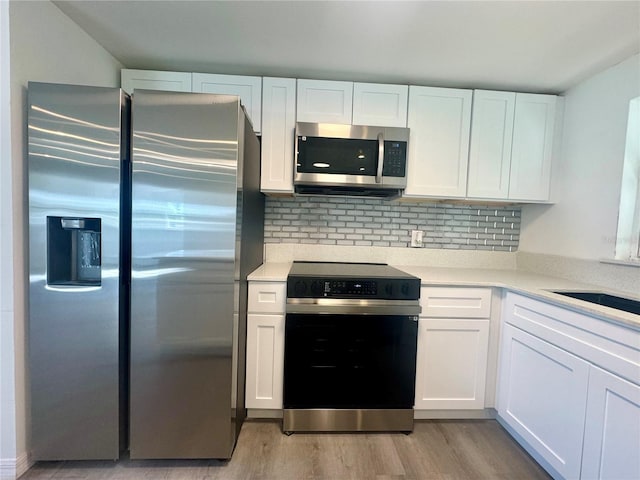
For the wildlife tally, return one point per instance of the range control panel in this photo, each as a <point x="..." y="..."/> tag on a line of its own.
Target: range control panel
<point x="388" y="288"/>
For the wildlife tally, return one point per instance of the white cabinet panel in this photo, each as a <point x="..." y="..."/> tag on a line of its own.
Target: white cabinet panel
<point x="611" y="448"/>
<point x="440" y="122"/>
<point x="451" y="365"/>
<point x="266" y="297"/>
<point x="278" y="130"/>
<point x="491" y="138"/>
<point x="445" y="302"/>
<point x="249" y="89"/>
<point x="542" y="397"/>
<point x="155" y="80"/>
<point x="324" y="101"/>
<point x="531" y="153"/>
<point x="265" y="361"/>
<point x="380" y="104"/>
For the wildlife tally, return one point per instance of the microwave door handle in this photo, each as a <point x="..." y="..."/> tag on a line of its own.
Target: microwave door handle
<point x="380" y="157"/>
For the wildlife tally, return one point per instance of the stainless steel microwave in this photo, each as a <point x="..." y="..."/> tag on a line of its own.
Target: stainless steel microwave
<point x="356" y="160"/>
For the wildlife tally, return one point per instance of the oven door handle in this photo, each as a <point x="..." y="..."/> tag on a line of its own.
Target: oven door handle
<point x="315" y="309"/>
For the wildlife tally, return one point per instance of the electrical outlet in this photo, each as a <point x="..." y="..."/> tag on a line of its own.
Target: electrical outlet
<point x="416" y="238"/>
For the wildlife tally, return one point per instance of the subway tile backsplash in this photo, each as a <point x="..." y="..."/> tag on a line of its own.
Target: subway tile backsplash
<point x="373" y="222"/>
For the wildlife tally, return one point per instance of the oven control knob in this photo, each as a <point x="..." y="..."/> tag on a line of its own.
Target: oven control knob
<point x="300" y="287"/>
<point x="405" y="289"/>
<point x="316" y="288"/>
<point x="388" y="289"/>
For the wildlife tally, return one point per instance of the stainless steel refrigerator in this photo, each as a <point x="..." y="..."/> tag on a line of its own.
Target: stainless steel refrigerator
<point x="77" y="160"/>
<point x="144" y="348"/>
<point x="197" y="231"/>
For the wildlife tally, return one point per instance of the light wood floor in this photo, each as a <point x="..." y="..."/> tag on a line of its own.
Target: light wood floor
<point x="442" y="449"/>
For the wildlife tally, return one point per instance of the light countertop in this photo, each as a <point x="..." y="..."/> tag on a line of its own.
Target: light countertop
<point x="519" y="281"/>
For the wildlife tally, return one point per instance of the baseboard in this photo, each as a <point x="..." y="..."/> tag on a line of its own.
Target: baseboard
<point x="486" y="413"/>
<point x="13" y="468"/>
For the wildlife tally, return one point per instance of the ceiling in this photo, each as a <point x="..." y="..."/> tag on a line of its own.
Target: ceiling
<point x="536" y="46"/>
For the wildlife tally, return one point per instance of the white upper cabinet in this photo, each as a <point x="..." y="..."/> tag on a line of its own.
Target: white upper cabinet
<point x="531" y="152"/>
<point x="249" y="89"/>
<point x="278" y="130"/>
<point x="490" y="150"/>
<point x="154" y="80"/>
<point x="440" y="122"/>
<point x="512" y="138"/>
<point x="324" y="101"/>
<point x="380" y="104"/>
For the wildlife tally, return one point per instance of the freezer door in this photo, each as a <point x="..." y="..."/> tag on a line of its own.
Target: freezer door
<point x="74" y="168"/>
<point x="185" y="159"/>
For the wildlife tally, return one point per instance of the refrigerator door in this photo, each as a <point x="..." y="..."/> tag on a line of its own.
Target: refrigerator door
<point x="74" y="168"/>
<point x="184" y="191"/>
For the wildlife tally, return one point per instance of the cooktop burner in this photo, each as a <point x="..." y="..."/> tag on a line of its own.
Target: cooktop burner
<point x="346" y="269"/>
<point x="350" y="280"/>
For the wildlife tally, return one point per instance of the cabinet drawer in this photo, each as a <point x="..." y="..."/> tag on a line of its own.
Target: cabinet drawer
<point x="445" y="302"/>
<point x="267" y="297"/>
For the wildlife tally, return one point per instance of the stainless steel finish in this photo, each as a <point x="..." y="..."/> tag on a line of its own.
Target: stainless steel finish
<point x="325" y="181"/>
<point x="351" y="131"/>
<point x="353" y="306"/>
<point x="74" y="164"/>
<point x="380" y="157"/>
<point x="347" y="420"/>
<point x="190" y="202"/>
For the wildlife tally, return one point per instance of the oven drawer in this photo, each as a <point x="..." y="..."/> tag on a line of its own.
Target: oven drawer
<point x="267" y="297"/>
<point x="455" y="302"/>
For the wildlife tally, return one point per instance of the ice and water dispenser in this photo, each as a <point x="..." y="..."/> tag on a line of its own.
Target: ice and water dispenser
<point x="73" y="251"/>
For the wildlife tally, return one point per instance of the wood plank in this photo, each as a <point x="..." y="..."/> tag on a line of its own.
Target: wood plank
<point x="437" y="449"/>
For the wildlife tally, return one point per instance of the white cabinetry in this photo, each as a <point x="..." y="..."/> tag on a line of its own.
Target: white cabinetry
<point x="453" y="335"/>
<point x="324" y="101"/>
<point x="543" y="398"/>
<point x="490" y="149"/>
<point x="249" y="89"/>
<point x="569" y="388"/>
<point x="265" y="345"/>
<point x="380" y="104"/>
<point x="278" y="130"/>
<point x="612" y="428"/>
<point x="155" y="80"/>
<point x="440" y="122"/>
<point x="512" y="138"/>
<point x="531" y="152"/>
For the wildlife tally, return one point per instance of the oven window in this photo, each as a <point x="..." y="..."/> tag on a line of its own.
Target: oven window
<point x="344" y="361"/>
<point x="337" y="156"/>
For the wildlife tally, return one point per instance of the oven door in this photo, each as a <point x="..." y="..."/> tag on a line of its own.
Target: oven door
<point x="350" y="361"/>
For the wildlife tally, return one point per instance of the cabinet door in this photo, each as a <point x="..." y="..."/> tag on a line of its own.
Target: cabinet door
<point x="451" y="366"/>
<point x="611" y="448"/>
<point x="531" y="152"/>
<point x="278" y="130"/>
<point x="324" y="101"/>
<point x="155" y="80"/>
<point x="440" y="122"/>
<point x="542" y="397"/>
<point x="265" y="361"/>
<point x="380" y="104"/>
<point x="249" y="89"/>
<point x="490" y="150"/>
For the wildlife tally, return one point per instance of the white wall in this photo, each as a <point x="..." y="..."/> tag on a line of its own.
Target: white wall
<point x="583" y="222"/>
<point x="46" y="46"/>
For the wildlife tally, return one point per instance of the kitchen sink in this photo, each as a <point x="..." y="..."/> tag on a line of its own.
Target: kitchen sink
<point x="611" y="301"/>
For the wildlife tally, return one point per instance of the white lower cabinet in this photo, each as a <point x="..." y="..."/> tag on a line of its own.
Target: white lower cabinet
<point x="451" y="364"/>
<point x="569" y="388"/>
<point x="612" y="428"/>
<point x="265" y="361"/>
<point x="542" y="396"/>
<point x="453" y="343"/>
<point x="265" y="344"/>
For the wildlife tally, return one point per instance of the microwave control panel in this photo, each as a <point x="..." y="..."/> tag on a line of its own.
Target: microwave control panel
<point x="395" y="158"/>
